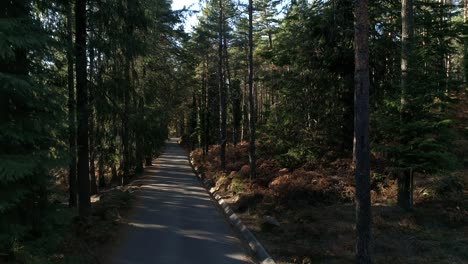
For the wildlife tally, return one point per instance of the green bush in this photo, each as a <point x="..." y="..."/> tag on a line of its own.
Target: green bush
<point x="296" y="157"/>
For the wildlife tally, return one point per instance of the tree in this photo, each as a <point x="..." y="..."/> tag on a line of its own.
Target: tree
<point x="84" y="202"/>
<point x="361" y="131"/>
<point x="405" y="180"/>
<point x="32" y="117"/>
<point x="72" y="176"/>
<point x="252" y="114"/>
<point x="222" y="91"/>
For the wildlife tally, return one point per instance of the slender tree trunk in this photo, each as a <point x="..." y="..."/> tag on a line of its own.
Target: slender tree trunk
<point x="139" y="139"/>
<point x="128" y="58"/>
<point x="465" y="44"/>
<point x="84" y="205"/>
<point x="125" y="126"/>
<point x="405" y="179"/>
<point x="236" y="110"/>
<point x="245" y="106"/>
<point x="101" y="172"/>
<point x="235" y="129"/>
<point x="72" y="201"/>
<point x="361" y="128"/>
<point x="222" y="92"/>
<point x="100" y="131"/>
<point x="348" y="115"/>
<point x="101" y="152"/>
<point x="205" y="112"/>
<point x="252" y="116"/>
<point x="115" y="175"/>
<point x="92" y="122"/>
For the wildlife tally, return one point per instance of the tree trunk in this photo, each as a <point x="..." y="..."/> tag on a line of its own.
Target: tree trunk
<point x="235" y="129"/>
<point x="252" y="158"/>
<point x="222" y="92"/>
<point x="84" y="205"/>
<point x="72" y="201"/>
<point x="100" y="131"/>
<point x="102" y="180"/>
<point x="139" y="139"/>
<point x="125" y="126"/>
<point x="405" y="192"/>
<point x="92" y="122"/>
<point x="236" y="110"/>
<point x="245" y="111"/>
<point x="361" y="127"/>
<point x="204" y="108"/>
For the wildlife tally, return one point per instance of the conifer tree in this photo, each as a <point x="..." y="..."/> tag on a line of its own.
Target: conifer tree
<point x="84" y="202"/>
<point x="361" y="128"/>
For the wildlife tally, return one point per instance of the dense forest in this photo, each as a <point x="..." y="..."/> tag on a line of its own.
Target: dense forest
<point x="292" y="109"/>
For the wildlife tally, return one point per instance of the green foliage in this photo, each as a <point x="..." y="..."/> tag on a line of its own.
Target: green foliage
<point x="30" y="125"/>
<point x="419" y="137"/>
<point x="296" y="157"/>
<point x="134" y="79"/>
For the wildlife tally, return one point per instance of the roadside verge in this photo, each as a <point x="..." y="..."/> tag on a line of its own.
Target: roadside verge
<point x="255" y="246"/>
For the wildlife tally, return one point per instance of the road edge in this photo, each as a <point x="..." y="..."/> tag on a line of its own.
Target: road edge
<point x="254" y="245"/>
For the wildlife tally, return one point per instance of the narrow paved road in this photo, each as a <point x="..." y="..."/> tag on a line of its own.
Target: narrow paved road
<point x="174" y="221"/>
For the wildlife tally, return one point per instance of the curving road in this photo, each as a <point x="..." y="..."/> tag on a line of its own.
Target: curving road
<point x="174" y="221"/>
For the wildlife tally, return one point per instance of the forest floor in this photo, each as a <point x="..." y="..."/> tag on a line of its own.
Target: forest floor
<point x="306" y="215"/>
<point x="65" y="238"/>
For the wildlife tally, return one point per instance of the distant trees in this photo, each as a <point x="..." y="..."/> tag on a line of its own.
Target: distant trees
<point x="221" y="27"/>
<point x="313" y="68"/>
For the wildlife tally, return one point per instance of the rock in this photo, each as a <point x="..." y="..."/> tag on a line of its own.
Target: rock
<point x="271" y="220"/>
<point x="269" y="223"/>
<point x="214" y="189"/>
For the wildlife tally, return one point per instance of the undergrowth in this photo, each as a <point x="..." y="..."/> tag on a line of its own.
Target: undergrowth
<point x="65" y="238"/>
<point x="313" y="201"/>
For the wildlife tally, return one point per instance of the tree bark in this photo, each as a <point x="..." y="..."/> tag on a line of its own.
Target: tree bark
<point x="236" y="110"/>
<point x="72" y="200"/>
<point x="92" y="121"/>
<point x="233" y="94"/>
<point x="205" y="110"/>
<point x="222" y="92"/>
<point x="405" y="181"/>
<point x="252" y="117"/>
<point x="361" y="127"/>
<point x="139" y="139"/>
<point x="84" y="205"/>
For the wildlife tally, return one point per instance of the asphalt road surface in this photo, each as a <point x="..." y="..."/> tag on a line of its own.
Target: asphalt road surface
<point x="174" y="221"/>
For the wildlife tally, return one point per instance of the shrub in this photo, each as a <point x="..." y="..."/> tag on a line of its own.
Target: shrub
<point x="449" y="187"/>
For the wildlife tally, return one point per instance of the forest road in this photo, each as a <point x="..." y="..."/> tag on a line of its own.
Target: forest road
<point x="174" y="220"/>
